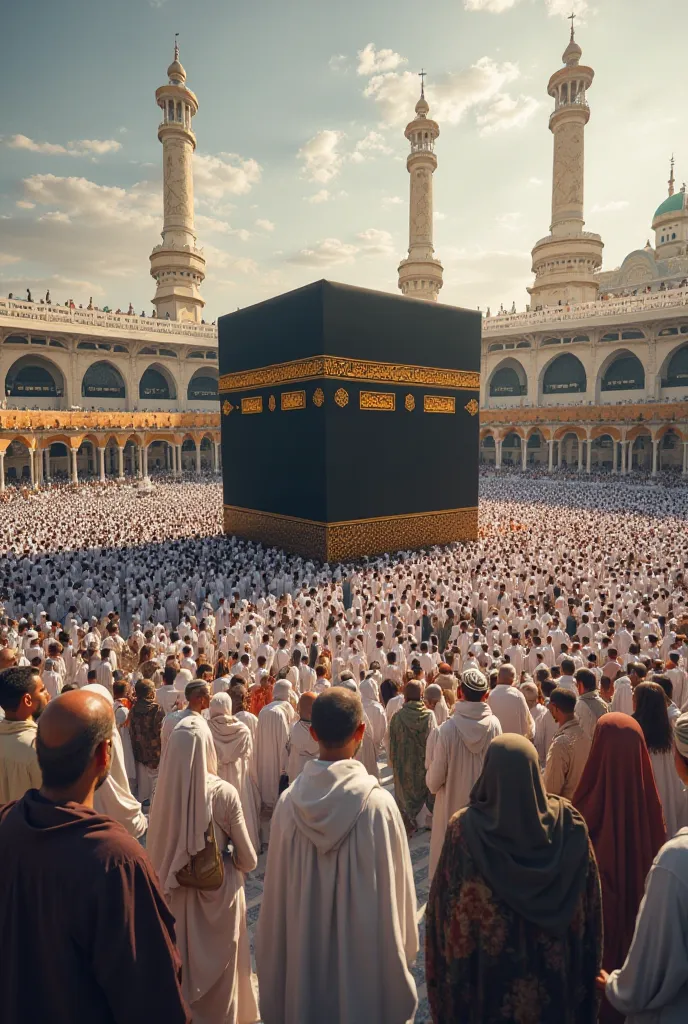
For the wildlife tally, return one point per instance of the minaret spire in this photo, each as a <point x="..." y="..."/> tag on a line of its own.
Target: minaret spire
<point x="565" y="261"/>
<point x="420" y="274"/>
<point x="672" y="180"/>
<point x="177" y="266"/>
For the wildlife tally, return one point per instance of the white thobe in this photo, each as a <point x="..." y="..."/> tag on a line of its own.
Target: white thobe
<point x="338" y="883"/>
<point x="509" y="705"/>
<point x="273" y="732"/>
<point x="298" y="750"/>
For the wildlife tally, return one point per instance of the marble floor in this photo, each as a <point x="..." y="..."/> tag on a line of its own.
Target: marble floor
<point x="420" y="848"/>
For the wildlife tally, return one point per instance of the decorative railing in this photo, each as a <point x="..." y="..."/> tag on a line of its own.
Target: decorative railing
<point x="98" y="319"/>
<point x="634" y="413"/>
<point x="581" y="310"/>
<point x="47" y="419"/>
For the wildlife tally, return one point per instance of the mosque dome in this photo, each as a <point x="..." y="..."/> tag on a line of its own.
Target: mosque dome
<point x="176" y="72"/>
<point x="673" y="204"/>
<point x="572" y="54"/>
<point x="422" y="106"/>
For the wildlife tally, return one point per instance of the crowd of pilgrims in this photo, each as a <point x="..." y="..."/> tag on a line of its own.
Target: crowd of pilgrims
<point x="165" y="687"/>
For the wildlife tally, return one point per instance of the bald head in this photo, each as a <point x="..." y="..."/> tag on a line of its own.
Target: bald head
<point x="70" y="730"/>
<point x="306" y="705"/>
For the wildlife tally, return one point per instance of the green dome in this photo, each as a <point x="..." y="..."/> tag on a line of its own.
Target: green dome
<point x="673" y="204"/>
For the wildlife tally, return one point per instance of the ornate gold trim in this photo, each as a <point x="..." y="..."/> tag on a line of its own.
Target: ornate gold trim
<point x="338" y="368"/>
<point x="378" y="401"/>
<point x="227" y="407"/>
<point x="341" y="397"/>
<point x="351" y="539"/>
<point x="272" y="404"/>
<point x="292" y="400"/>
<point x="472" y="407"/>
<point x="318" y="397"/>
<point x="409" y="403"/>
<point x="439" y="403"/>
<point x="252" y="405"/>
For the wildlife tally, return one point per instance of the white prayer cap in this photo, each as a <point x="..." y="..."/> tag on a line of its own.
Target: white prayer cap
<point x="368" y="689"/>
<point x="681" y="734"/>
<point x="474" y="680"/>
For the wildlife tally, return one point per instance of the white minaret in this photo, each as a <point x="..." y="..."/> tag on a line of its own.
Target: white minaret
<point x="177" y="265"/>
<point x="564" y="263"/>
<point x="420" y="275"/>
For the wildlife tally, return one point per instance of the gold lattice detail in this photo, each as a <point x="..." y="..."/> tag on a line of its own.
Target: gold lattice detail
<point x="251" y="405"/>
<point x="318" y="397"/>
<point x="341" y="397"/>
<point x="439" y="403"/>
<point x="338" y="368"/>
<point x="293" y="400"/>
<point x="227" y="407"/>
<point x="272" y="404"/>
<point x="409" y="403"/>
<point x="378" y="401"/>
<point x="472" y="407"/>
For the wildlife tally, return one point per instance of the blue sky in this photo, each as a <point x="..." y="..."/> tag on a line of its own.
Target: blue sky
<point x="300" y="166"/>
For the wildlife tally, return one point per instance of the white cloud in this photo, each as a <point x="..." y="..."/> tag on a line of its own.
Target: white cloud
<point x="388" y="201"/>
<point x="6" y="259"/>
<point x="80" y="147"/>
<point x="321" y="158"/>
<point x="338" y="62"/>
<point x="207" y="224"/>
<point x="374" y="62"/>
<point x="506" y="112"/>
<point x="370" y="145"/>
<point x="56" y="216"/>
<point x="374" y="242"/>
<point x="613" y="206"/>
<point x="493" y="6"/>
<point x="327" y="253"/>
<point x="562" y="8"/>
<point x="24" y="204"/>
<point x="102" y="203"/>
<point x="450" y="96"/>
<point x="265" y="225"/>
<point x="225" y="174"/>
<point x="319" y="197"/>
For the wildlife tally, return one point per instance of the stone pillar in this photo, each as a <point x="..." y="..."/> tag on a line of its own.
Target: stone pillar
<point x="685" y="458"/>
<point x="144" y="453"/>
<point x="498" y="454"/>
<point x="524" y="454"/>
<point x="615" y="458"/>
<point x="2" y="472"/>
<point x="46" y="457"/>
<point x="75" y="473"/>
<point x="655" y="452"/>
<point x="120" y="450"/>
<point x="101" y="463"/>
<point x="623" y="458"/>
<point x="216" y="457"/>
<point x="558" y="444"/>
<point x="32" y="469"/>
<point x="180" y="468"/>
<point x="589" y="454"/>
<point x="198" y="458"/>
<point x="580" y="455"/>
<point x="550" y="459"/>
<point x="39" y="466"/>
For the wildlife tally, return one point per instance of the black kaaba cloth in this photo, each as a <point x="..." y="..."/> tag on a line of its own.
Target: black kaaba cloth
<point x="349" y="422"/>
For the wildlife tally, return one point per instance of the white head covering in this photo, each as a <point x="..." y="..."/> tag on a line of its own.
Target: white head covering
<point x="231" y="737"/>
<point x="181" y="810"/>
<point x="281" y="690"/>
<point x="368" y="690"/>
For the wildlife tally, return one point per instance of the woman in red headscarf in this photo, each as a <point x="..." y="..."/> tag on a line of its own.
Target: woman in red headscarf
<point x="618" y="798"/>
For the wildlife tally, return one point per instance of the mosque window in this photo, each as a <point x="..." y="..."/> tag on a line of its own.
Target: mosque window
<point x="626" y="373"/>
<point x="662" y="238"/>
<point x="523" y="344"/>
<point x="166" y="352"/>
<point x="57" y="344"/>
<point x="153" y="385"/>
<point x="677" y="370"/>
<point x="196" y="355"/>
<point x="610" y="337"/>
<point x="496" y="347"/>
<point x="202" y="389"/>
<point x="87" y="345"/>
<point x="564" y="375"/>
<point x="506" y="383"/>
<point x="673" y="236"/>
<point x="148" y="351"/>
<point x="119" y="348"/>
<point x="684" y="329"/>
<point x="488" y="442"/>
<point x="102" y="381"/>
<point x="211" y="355"/>
<point x="509" y="344"/>
<point x="31" y="381"/>
<point x="38" y="341"/>
<point x="581" y="337"/>
<point x="668" y="330"/>
<point x="170" y="110"/>
<point x="632" y="335"/>
<point x="552" y="341"/>
<point x="14" y="339"/>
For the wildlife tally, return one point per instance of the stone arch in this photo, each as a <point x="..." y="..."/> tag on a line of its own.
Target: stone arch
<point x="564" y="374"/>
<point x="674" y="372"/>
<point x="621" y="370"/>
<point x="102" y="380"/>
<point x="603" y="449"/>
<point x="203" y="385"/>
<point x="508" y="379"/>
<point x="18" y="461"/>
<point x="157" y="384"/>
<point x="34" y="377"/>
<point x="639" y="448"/>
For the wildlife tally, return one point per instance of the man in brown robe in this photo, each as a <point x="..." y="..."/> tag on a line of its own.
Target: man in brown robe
<point x="79" y="892"/>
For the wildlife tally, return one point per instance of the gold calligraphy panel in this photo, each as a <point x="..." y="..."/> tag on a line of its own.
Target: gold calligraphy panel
<point x="378" y="401"/>
<point x="252" y="405"/>
<point x="439" y="403"/>
<point x="293" y="400"/>
<point x="337" y="368"/>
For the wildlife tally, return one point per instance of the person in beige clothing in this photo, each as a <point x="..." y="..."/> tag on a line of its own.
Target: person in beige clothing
<point x="569" y="750"/>
<point x="22" y="697"/>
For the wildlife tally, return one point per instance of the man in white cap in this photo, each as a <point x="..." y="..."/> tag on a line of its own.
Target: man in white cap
<point x="457" y="755"/>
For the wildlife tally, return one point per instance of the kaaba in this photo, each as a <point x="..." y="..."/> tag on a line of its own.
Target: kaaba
<point x="349" y="422"/>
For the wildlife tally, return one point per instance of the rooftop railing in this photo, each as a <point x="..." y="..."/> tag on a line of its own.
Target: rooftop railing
<point x="96" y="318"/>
